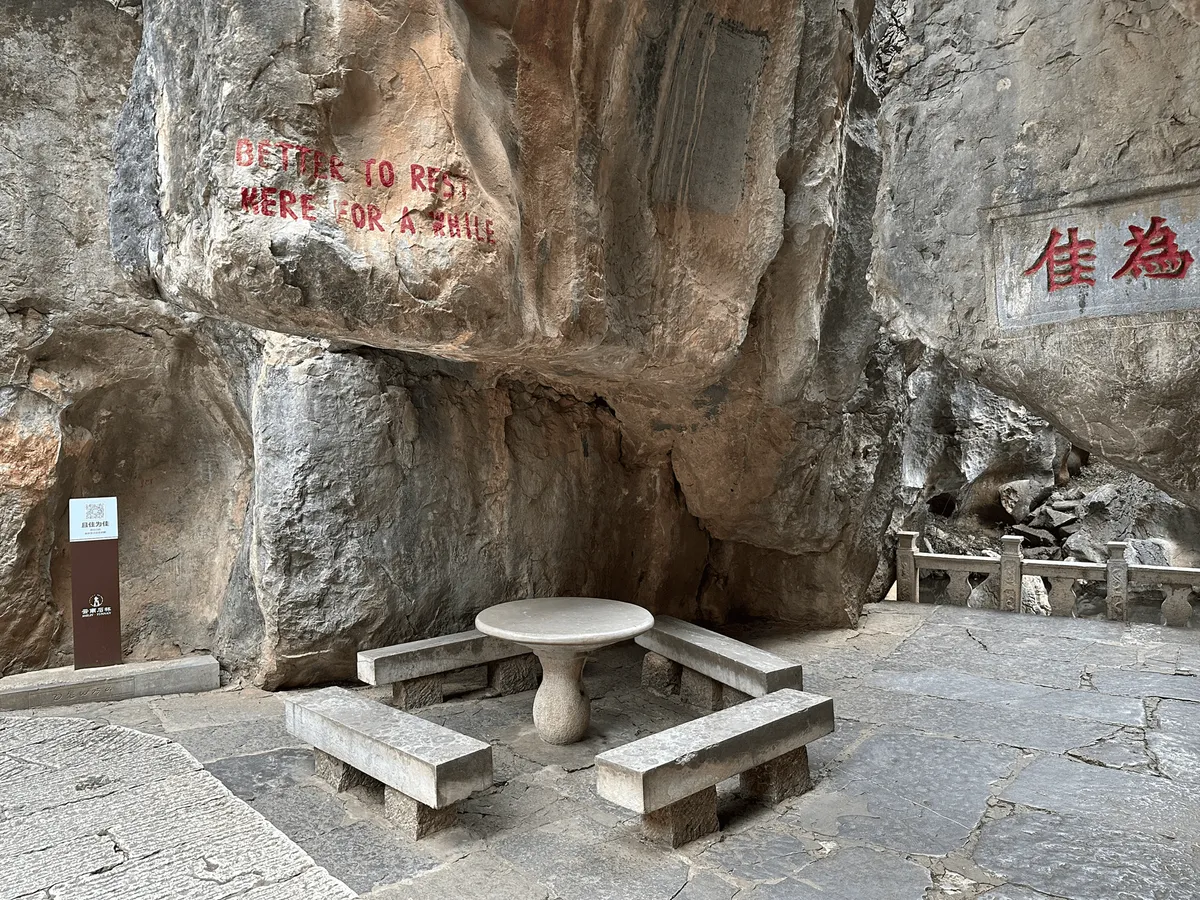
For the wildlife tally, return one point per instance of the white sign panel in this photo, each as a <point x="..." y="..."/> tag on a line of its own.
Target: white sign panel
<point x="1116" y="258"/>
<point x="93" y="519"/>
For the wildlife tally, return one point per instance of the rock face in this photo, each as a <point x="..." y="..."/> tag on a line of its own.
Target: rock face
<point x="1051" y="118"/>
<point x="969" y="451"/>
<point x="964" y="450"/>
<point x="463" y="180"/>
<point x="375" y="314"/>
<point x="106" y="389"/>
<point x="464" y="493"/>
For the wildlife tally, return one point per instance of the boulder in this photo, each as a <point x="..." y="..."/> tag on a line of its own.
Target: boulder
<point x="1041" y="552"/>
<point x="1034" y="536"/>
<point x="1035" y="598"/>
<point x="396" y="498"/>
<point x="1019" y="497"/>
<point x="1098" y="500"/>
<point x="1049" y="518"/>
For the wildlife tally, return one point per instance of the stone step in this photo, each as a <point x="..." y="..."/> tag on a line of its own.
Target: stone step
<point x="433" y="656"/>
<point x="67" y="685"/>
<point x="656" y="771"/>
<point x="431" y="764"/>
<point x="724" y="659"/>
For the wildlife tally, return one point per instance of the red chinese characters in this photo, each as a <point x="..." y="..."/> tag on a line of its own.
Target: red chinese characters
<point x="1156" y="253"/>
<point x="1067" y="264"/>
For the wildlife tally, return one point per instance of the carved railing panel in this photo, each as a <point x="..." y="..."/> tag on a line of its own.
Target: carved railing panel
<point x="1062" y="596"/>
<point x="1117" y="575"/>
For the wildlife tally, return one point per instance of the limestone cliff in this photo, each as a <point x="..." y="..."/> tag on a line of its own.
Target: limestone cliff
<point x="1005" y="124"/>
<point x="374" y="313"/>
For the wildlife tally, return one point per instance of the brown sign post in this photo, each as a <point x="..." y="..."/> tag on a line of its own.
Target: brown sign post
<point x="95" y="582"/>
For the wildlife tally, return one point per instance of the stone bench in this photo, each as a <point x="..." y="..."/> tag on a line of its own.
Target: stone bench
<point x="423" y="768"/>
<point x="416" y="670"/>
<point x="671" y="777"/>
<point x="709" y="670"/>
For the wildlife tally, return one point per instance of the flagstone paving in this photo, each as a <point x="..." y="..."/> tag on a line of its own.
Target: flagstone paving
<point x="978" y="755"/>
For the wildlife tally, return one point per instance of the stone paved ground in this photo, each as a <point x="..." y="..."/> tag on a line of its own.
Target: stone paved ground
<point x="978" y="754"/>
<point x="89" y="810"/>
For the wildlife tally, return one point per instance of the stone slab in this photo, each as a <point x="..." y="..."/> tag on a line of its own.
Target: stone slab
<point x="854" y="873"/>
<point x="238" y="738"/>
<point x="67" y="685"/>
<point x="914" y="793"/>
<point x="480" y="874"/>
<point x="369" y="854"/>
<point x="96" y="811"/>
<point x="571" y="622"/>
<point x="577" y="859"/>
<point x="1175" y="741"/>
<point x="1011" y="892"/>
<point x="724" y="659"/>
<point x="1131" y="799"/>
<point x="183" y="712"/>
<point x="970" y="720"/>
<point x="416" y="659"/>
<point x="1124" y="749"/>
<point x="990" y="653"/>
<point x="1083" y="857"/>
<point x="1034" y="700"/>
<point x="1146" y="684"/>
<point x="761" y="853"/>
<point x="259" y="773"/>
<point x="707" y="886"/>
<point x="647" y="774"/>
<point x="427" y="762"/>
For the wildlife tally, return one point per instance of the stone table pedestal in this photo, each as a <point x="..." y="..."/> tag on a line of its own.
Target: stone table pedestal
<point x="562" y="631"/>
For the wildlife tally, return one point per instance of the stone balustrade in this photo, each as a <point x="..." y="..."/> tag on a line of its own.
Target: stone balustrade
<point x="1118" y="574"/>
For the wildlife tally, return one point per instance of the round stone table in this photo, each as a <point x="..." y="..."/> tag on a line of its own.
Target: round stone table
<point x="561" y="631"/>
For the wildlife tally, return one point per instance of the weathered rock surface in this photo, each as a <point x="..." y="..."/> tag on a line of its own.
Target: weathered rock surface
<point x="1054" y="111"/>
<point x="375" y="314"/>
<point x="617" y="210"/>
<point x="963" y="444"/>
<point x="647" y="366"/>
<point x="463" y="495"/>
<point x="105" y="388"/>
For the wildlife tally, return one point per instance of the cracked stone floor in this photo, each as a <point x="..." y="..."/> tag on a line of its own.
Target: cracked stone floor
<point x="977" y="754"/>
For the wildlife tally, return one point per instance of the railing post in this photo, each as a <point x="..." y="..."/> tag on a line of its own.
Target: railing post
<point x="1010" y="572"/>
<point x="907" y="583"/>
<point x="1118" y="580"/>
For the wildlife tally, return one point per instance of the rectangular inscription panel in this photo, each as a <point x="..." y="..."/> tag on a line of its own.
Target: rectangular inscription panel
<point x="1116" y="258"/>
<point x="708" y="115"/>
